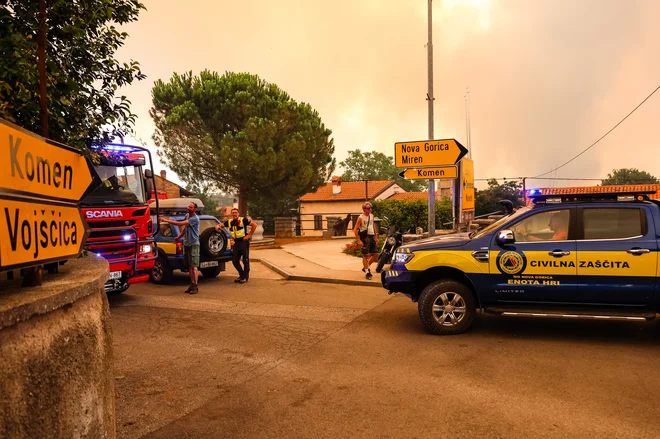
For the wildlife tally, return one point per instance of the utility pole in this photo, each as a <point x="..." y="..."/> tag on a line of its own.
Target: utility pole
<point x="430" y="99"/>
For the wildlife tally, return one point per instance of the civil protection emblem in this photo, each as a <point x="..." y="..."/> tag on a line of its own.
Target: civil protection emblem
<point x="511" y="262"/>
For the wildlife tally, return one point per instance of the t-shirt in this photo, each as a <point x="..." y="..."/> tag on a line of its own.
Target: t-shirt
<point x="191" y="236"/>
<point x="230" y="224"/>
<point x="367" y="224"/>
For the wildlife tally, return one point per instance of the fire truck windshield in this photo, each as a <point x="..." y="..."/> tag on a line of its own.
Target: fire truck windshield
<point x="119" y="186"/>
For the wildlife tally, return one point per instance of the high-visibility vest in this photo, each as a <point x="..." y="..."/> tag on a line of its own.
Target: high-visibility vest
<point x="236" y="232"/>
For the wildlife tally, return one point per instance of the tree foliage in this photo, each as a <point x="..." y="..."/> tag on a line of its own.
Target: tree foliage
<point x="82" y="73"/>
<point x="412" y="214"/>
<point x="487" y="200"/>
<point x="376" y="166"/>
<point x="629" y="176"/>
<point x="205" y="194"/>
<point x="238" y="132"/>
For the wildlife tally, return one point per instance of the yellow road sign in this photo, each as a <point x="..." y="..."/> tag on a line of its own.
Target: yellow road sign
<point x="467" y="180"/>
<point x="33" y="233"/>
<point x="427" y="153"/>
<point x="444" y="172"/>
<point x="32" y="165"/>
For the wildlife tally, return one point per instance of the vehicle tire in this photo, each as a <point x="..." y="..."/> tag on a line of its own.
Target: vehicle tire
<point x="447" y="307"/>
<point x="213" y="243"/>
<point x="210" y="272"/>
<point x="382" y="260"/>
<point x="161" y="273"/>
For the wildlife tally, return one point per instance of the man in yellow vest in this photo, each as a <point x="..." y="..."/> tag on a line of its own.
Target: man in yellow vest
<point x="240" y="239"/>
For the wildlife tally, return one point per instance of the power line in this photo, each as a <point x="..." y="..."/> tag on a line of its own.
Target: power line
<point x="604" y="135"/>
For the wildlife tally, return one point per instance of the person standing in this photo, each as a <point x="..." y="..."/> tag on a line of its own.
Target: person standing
<point x="240" y="239"/>
<point x="190" y="233"/>
<point x="367" y="237"/>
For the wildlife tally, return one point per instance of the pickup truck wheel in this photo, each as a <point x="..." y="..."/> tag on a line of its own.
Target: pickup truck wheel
<point x="213" y="243"/>
<point x="210" y="272"/>
<point x="161" y="273"/>
<point x="447" y="307"/>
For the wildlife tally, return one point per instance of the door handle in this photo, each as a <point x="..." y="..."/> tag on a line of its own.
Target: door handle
<point x="559" y="253"/>
<point x="638" y="251"/>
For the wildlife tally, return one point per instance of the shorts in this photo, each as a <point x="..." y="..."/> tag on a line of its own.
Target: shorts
<point x="369" y="245"/>
<point x="191" y="256"/>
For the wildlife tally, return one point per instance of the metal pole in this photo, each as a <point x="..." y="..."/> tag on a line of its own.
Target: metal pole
<point x="469" y="128"/>
<point x="430" y="98"/>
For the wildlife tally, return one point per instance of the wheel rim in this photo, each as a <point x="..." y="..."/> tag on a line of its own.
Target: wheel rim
<point x="449" y="309"/>
<point x="157" y="270"/>
<point x="215" y="244"/>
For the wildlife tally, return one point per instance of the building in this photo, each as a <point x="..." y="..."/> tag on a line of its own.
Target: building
<point x="172" y="190"/>
<point x="599" y="190"/>
<point x="340" y="199"/>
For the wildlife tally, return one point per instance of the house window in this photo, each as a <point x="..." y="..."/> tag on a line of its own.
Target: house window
<point x="318" y="222"/>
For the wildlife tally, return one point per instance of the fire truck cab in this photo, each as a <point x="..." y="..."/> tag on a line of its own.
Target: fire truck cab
<point x="119" y="216"/>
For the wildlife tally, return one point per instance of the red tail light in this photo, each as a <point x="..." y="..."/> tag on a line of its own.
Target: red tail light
<point x="179" y="248"/>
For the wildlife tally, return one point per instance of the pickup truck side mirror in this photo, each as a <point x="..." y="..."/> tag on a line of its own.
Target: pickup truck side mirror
<point x="505" y="237"/>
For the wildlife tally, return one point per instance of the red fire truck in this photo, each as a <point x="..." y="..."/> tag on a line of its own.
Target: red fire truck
<point x="118" y="213"/>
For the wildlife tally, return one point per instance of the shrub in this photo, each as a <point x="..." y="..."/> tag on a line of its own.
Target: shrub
<point x="354" y="249"/>
<point x="411" y="214"/>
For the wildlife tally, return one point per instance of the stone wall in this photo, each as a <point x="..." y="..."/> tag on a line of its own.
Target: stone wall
<point x="56" y="356"/>
<point x="285" y="227"/>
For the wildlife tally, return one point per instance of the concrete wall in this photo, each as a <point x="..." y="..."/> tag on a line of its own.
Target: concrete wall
<point x="56" y="376"/>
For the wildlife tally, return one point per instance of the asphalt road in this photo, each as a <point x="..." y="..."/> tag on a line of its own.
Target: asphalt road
<point x="275" y="359"/>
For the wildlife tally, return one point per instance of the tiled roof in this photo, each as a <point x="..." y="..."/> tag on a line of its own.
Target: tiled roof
<point x="601" y="190"/>
<point x="413" y="196"/>
<point x="350" y="190"/>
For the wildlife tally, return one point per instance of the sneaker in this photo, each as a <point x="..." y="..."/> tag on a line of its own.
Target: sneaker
<point x="369" y="275"/>
<point x="194" y="290"/>
<point x="238" y="281"/>
<point x="242" y="281"/>
<point x="189" y="289"/>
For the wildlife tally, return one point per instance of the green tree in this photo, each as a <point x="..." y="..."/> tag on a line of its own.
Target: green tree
<point x="629" y="176"/>
<point x="376" y="166"/>
<point x="263" y="207"/>
<point x="82" y="73"/>
<point x="412" y="214"/>
<point x="205" y="194"/>
<point x="239" y="132"/>
<point x="487" y="200"/>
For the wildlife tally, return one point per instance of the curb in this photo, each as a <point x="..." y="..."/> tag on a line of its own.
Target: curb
<point x="295" y="277"/>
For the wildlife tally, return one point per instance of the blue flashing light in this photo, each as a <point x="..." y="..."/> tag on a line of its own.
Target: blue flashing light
<point x="116" y="147"/>
<point x="534" y="192"/>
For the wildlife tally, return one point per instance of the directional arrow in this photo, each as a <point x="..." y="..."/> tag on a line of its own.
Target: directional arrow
<point x="427" y="153"/>
<point x="33" y="166"/>
<point x="33" y="233"/>
<point x="440" y="173"/>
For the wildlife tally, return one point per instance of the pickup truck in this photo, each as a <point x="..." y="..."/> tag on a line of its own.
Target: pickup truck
<point x="574" y="256"/>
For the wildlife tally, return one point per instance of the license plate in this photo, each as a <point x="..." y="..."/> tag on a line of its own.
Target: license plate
<point x="208" y="264"/>
<point x="115" y="275"/>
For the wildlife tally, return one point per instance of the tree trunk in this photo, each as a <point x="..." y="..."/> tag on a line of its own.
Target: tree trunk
<point x="242" y="202"/>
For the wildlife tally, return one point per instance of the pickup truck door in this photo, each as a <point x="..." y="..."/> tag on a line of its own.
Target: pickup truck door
<point x="617" y="255"/>
<point x="540" y="267"/>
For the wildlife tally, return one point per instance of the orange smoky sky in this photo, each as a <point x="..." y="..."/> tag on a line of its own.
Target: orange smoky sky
<point x="546" y="77"/>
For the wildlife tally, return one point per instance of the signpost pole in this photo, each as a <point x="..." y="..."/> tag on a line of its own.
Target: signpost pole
<point x="430" y="98"/>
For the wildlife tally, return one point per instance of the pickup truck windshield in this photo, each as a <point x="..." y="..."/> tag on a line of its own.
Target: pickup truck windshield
<point x="499" y="223"/>
<point x="119" y="186"/>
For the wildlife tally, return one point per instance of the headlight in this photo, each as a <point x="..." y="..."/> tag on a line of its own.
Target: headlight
<point x="391" y="240"/>
<point x="144" y="249"/>
<point x="403" y="256"/>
